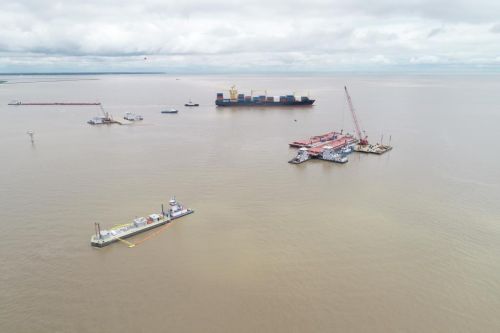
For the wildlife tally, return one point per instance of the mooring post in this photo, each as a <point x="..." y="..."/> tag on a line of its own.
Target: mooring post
<point x="32" y="135"/>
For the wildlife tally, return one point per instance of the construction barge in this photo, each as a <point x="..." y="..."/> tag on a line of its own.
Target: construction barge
<point x="54" y="103"/>
<point x="332" y="146"/>
<point x="336" y="146"/>
<point x="236" y="99"/>
<point x="105" y="119"/>
<point x="103" y="238"/>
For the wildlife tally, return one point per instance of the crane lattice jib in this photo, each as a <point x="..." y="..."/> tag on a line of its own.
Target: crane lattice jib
<point x="358" y="130"/>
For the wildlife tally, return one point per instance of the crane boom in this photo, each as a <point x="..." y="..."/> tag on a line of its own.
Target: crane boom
<point x="106" y="114"/>
<point x="362" y="140"/>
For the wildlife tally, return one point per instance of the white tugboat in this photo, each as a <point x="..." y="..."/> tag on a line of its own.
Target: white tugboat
<point x="347" y="150"/>
<point x="190" y="103"/>
<point x="102" y="238"/>
<point x="132" y="116"/>
<point x="176" y="210"/>
<point x="330" y="154"/>
<point x="302" y="156"/>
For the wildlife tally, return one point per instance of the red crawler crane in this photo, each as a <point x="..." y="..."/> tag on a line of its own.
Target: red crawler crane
<point x="362" y="141"/>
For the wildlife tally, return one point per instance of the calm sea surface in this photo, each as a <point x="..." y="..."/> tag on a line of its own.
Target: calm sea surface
<point x="404" y="242"/>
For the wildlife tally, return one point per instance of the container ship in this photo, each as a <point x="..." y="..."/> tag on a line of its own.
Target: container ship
<point x="236" y="99"/>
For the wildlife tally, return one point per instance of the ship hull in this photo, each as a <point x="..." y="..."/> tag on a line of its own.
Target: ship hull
<point x="102" y="243"/>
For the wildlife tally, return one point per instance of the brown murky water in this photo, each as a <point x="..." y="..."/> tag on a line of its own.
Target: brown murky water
<point x="407" y="242"/>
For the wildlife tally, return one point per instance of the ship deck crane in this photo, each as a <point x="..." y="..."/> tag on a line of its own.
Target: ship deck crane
<point x="363" y="141"/>
<point x="233" y="93"/>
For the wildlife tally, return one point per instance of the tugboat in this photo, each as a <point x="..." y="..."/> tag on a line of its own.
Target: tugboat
<point x="301" y="157"/>
<point x="171" y="110"/>
<point x="330" y="154"/>
<point x="346" y="150"/>
<point x="176" y="210"/>
<point x="191" y="104"/>
<point x="132" y="116"/>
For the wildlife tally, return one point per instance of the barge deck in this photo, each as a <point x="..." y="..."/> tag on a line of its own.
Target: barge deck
<point x="53" y="103"/>
<point x="103" y="238"/>
<point x="378" y="149"/>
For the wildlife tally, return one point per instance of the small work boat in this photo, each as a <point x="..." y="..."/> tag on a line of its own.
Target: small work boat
<point x="132" y="116"/>
<point x="171" y="110"/>
<point x="346" y="150"/>
<point x="333" y="155"/>
<point x="191" y="104"/>
<point x="302" y="156"/>
<point x="102" y="120"/>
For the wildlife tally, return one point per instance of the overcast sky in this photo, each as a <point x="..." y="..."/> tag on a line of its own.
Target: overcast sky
<point x="256" y="35"/>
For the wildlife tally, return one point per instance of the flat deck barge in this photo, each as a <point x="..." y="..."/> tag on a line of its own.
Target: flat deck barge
<point x="54" y="103"/>
<point x="308" y="143"/>
<point x="103" y="238"/>
<point x="338" y="143"/>
<point x="316" y="144"/>
<point x="378" y="149"/>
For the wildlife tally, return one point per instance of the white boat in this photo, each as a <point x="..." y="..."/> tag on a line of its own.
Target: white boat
<point x="177" y="210"/>
<point x="132" y="116"/>
<point x="98" y="121"/>
<point x="330" y="154"/>
<point x="346" y="150"/>
<point x="191" y="104"/>
<point x="302" y="156"/>
<point x="340" y="159"/>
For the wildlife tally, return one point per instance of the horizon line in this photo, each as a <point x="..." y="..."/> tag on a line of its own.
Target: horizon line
<point x="413" y="71"/>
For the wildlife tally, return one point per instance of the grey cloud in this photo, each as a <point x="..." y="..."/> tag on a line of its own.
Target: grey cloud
<point x="496" y="28"/>
<point x="435" y="32"/>
<point x="313" y="34"/>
